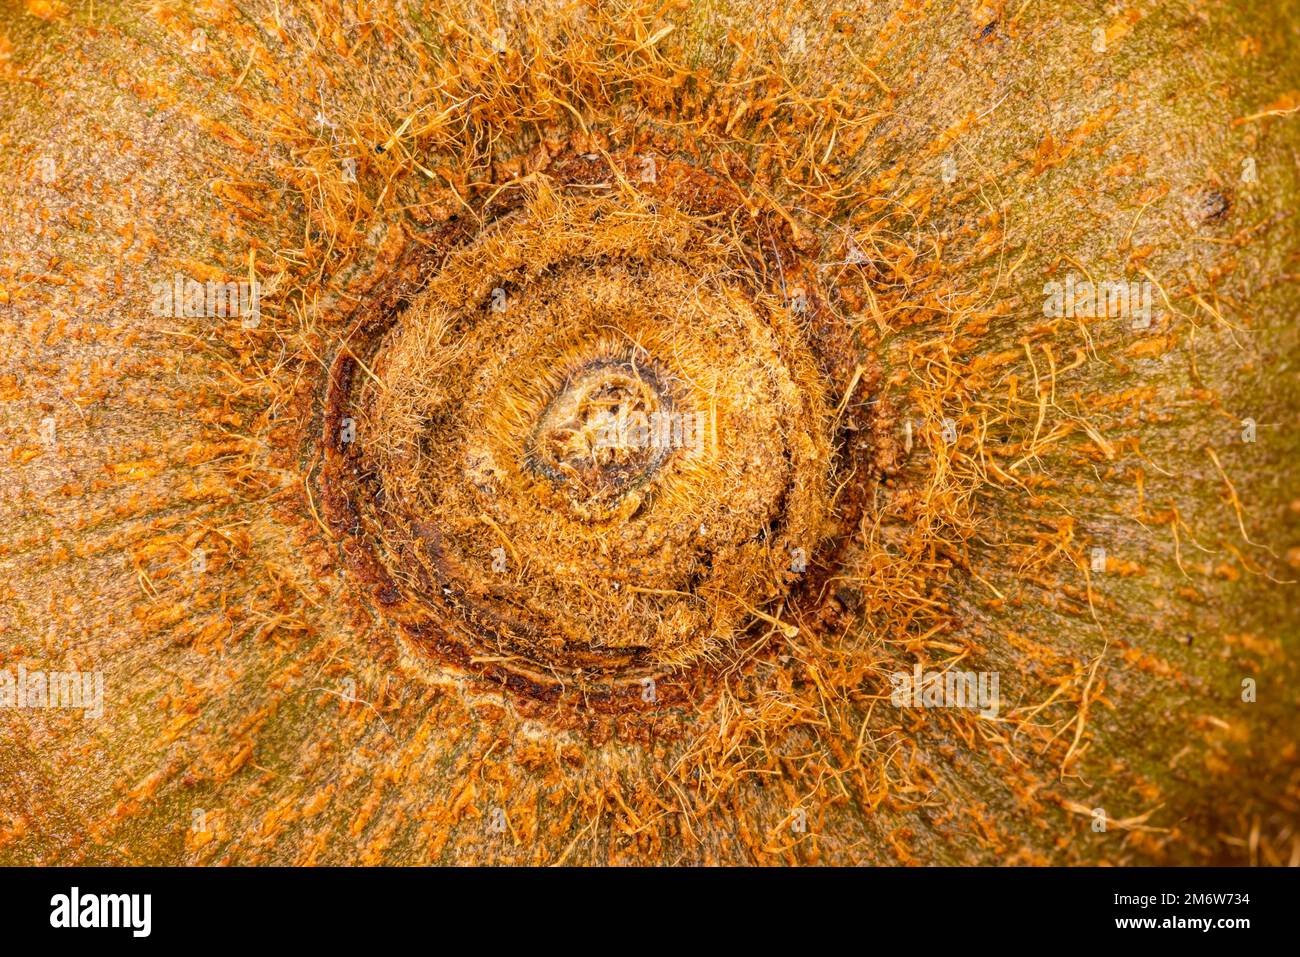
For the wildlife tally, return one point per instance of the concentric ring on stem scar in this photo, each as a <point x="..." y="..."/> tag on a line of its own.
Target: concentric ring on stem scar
<point x="584" y="453"/>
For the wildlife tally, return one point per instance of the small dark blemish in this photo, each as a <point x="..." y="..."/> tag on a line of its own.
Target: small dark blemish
<point x="1214" y="206"/>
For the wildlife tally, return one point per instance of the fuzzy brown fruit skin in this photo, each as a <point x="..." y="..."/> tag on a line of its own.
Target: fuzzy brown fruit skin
<point x="491" y="555"/>
<point x="230" y="732"/>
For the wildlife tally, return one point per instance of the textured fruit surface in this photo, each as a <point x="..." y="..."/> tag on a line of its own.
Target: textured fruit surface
<point x="566" y="432"/>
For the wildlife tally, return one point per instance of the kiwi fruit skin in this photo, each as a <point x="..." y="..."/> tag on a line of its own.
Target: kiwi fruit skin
<point x="183" y="139"/>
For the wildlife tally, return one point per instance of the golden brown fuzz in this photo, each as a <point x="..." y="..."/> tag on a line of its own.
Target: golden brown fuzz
<point x="595" y="449"/>
<point x="642" y="397"/>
